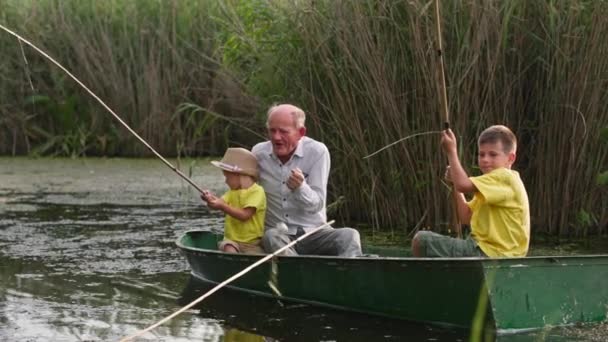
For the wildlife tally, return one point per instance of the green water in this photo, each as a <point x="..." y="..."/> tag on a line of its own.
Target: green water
<point x="87" y="253"/>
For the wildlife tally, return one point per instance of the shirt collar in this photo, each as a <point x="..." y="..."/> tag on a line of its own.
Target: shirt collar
<point x="299" y="149"/>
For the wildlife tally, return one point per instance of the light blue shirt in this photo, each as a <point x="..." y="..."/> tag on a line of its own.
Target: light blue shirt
<point x="305" y="206"/>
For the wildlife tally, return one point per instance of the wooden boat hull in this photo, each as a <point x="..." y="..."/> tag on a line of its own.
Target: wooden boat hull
<point x="506" y="295"/>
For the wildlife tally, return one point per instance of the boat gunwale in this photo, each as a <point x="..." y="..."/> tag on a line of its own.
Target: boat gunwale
<point x="485" y="260"/>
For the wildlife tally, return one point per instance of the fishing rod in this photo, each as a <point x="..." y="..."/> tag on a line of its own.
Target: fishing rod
<point x="175" y="169"/>
<point x="446" y="111"/>
<point x="227" y="281"/>
<point x="219" y="286"/>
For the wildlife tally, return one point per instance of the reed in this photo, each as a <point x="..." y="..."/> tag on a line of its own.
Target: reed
<point x="144" y="57"/>
<point x="365" y="71"/>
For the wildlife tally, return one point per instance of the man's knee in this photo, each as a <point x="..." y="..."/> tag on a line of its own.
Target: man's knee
<point x="347" y="235"/>
<point x="274" y="239"/>
<point x="272" y="234"/>
<point x="349" y="242"/>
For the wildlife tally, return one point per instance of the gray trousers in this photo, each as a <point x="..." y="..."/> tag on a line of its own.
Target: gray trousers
<point x="344" y="242"/>
<point x="435" y="245"/>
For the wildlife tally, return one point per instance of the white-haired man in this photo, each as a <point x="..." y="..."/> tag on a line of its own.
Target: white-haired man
<point x="294" y="170"/>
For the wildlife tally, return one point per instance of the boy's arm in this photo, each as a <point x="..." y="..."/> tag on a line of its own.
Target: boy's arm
<point x="462" y="208"/>
<point x="458" y="175"/>
<point x="214" y="202"/>
<point x="464" y="212"/>
<point x="241" y="214"/>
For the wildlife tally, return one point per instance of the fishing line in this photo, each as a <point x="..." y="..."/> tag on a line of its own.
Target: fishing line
<point x="400" y="140"/>
<point x="179" y="173"/>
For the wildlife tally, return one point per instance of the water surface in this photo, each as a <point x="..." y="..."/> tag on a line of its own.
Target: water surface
<point x="87" y="253"/>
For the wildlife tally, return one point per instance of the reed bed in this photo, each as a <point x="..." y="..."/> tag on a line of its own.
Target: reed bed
<point x="144" y="58"/>
<point x="366" y="73"/>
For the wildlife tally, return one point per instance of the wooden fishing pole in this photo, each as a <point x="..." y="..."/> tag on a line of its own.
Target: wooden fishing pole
<point x="227" y="281"/>
<point x="443" y="98"/>
<point x="176" y="170"/>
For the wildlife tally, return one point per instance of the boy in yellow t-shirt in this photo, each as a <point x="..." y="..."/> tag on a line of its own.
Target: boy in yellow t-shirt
<point x="498" y="214"/>
<point x="244" y="204"/>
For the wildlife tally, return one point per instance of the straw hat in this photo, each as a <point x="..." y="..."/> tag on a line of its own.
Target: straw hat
<point x="238" y="160"/>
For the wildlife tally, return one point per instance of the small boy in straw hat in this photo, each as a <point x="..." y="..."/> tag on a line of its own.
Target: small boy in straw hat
<point x="244" y="204"/>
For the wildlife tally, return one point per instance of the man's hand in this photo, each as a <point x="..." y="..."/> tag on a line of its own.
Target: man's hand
<point x="448" y="142"/>
<point x="213" y="201"/>
<point x="295" y="179"/>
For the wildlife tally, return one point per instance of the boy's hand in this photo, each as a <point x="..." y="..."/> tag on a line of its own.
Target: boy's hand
<point x="213" y="201"/>
<point x="448" y="142"/>
<point x="295" y="179"/>
<point x="204" y="195"/>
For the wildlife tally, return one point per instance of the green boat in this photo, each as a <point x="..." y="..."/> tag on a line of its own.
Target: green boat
<point x="504" y="295"/>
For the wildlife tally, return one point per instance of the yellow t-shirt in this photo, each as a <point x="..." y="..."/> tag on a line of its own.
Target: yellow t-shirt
<point x="501" y="215"/>
<point x="252" y="229"/>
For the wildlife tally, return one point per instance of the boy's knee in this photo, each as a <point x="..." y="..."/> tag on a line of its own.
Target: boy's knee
<point x="421" y="237"/>
<point x="419" y="242"/>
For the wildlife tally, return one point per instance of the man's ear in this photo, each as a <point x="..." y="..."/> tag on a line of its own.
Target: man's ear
<point x="302" y="131"/>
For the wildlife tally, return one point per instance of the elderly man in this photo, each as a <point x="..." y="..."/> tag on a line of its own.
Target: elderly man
<point x="293" y="171"/>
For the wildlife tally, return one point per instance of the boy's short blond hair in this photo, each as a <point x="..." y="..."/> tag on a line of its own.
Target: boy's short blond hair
<point x="498" y="133"/>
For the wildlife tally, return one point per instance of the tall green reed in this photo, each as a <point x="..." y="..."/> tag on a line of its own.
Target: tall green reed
<point x="144" y="58"/>
<point x="364" y="71"/>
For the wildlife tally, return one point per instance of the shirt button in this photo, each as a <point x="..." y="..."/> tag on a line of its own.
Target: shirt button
<point x="284" y="199"/>
<point x="286" y="215"/>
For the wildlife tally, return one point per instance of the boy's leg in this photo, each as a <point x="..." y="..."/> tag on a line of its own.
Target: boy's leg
<point x="228" y="246"/>
<point x="430" y="244"/>
<point x="254" y="247"/>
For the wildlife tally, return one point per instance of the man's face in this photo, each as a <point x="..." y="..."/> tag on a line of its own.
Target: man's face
<point x="492" y="156"/>
<point x="283" y="134"/>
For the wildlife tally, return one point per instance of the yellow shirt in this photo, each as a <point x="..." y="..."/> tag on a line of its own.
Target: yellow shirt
<point x="252" y="229"/>
<point x="501" y="215"/>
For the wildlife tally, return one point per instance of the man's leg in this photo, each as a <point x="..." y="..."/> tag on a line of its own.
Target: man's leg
<point x="344" y="242"/>
<point x="274" y="239"/>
